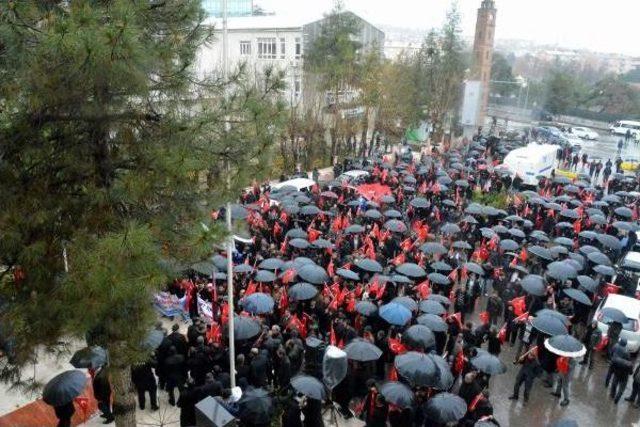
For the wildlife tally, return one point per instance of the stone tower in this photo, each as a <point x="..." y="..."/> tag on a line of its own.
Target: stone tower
<point x="483" y="53"/>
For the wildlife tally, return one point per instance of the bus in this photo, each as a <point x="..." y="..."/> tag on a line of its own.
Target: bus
<point x="621" y="127"/>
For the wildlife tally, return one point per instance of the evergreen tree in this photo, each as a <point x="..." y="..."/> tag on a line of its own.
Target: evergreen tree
<point x="113" y="150"/>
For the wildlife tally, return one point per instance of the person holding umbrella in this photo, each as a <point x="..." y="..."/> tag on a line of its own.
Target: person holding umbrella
<point x="529" y="370"/>
<point x="591" y="339"/>
<point x="102" y="393"/>
<point x="635" y="391"/>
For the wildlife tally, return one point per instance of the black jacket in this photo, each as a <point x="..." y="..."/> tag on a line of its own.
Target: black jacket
<point x="142" y="376"/>
<point x="102" y="387"/>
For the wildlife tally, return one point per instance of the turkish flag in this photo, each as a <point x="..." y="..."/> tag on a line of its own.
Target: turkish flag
<point x="518" y="305"/>
<point x="424" y="289"/>
<point x="396" y="346"/>
<point x="288" y="276"/>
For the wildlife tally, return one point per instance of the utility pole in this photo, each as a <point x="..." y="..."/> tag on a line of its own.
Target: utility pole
<point x="232" y="344"/>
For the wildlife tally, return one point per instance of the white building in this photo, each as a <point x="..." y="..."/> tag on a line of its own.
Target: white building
<point x="273" y="41"/>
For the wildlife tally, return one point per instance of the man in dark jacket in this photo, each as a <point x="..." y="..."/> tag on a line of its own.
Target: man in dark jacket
<point x="635" y="391"/>
<point x="144" y="381"/>
<point x="529" y="370"/>
<point x="591" y="338"/>
<point x="495" y="306"/>
<point x="176" y="371"/>
<point x="282" y="369"/>
<point x="259" y="369"/>
<point x="102" y="393"/>
<point x="178" y="340"/>
<point x="622" y="368"/>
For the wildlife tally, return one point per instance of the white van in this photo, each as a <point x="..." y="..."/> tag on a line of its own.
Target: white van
<point x="300" y="184"/>
<point x="621" y="127"/>
<point x="532" y="161"/>
<point x="631" y="327"/>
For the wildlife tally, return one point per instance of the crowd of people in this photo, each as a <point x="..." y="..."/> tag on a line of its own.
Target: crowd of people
<point x="420" y="274"/>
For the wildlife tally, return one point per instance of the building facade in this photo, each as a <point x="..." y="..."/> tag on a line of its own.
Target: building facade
<point x="483" y="54"/>
<point x="272" y="41"/>
<point x="234" y="7"/>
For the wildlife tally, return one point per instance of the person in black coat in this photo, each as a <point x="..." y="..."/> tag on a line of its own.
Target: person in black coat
<point x="176" y="372"/>
<point x="144" y="381"/>
<point x="494" y="344"/>
<point x="259" y="369"/>
<point x="177" y="340"/>
<point x="102" y="393"/>
<point x="282" y="369"/>
<point x="189" y="396"/>
<point x="64" y="414"/>
<point x="312" y="411"/>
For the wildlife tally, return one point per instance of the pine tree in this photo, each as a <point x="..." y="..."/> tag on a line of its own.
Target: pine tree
<point x="112" y="150"/>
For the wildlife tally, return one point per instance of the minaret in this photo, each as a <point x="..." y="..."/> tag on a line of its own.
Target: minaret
<point x="483" y="53"/>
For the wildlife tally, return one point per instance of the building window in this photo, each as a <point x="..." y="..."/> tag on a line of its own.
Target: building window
<point x="245" y="48"/>
<point x="267" y="48"/>
<point x="297" y="85"/>
<point x="298" y="48"/>
<point x="283" y="48"/>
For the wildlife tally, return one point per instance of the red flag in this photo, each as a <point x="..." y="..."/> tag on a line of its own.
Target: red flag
<point x="283" y="246"/>
<point x="284" y="300"/>
<point x="214" y="334"/>
<point x="393" y="374"/>
<point x="423" y="187"/>
<point x="399" y="259"/>
<point x="374" y="286"/>
<point x="464" y="274"/>
<point x="518" y="305"/>
<point x="406" y="244"/>
<point x="523" y="255"/>
<point x="577" y="226"/>
<point x="284" y="217"/>
<point x="424" y="289"/>
<point x="312" y="234"/>
<point x="332" y="335"/>
<point x="375" y="231"/>
<point x="474" y="403"/>
<point x="331" y="269"/>
<point x="336" y="224"/>
<point x="514" y="262"/>
<point x="396" y="346"/>
<point x="458" y="364"/>
<point x="251" y="288"/>
<point x="453" y="276"/>
<point x="277" y="229"/>
<point x="288" y="276"/>
<point x="458" y="318"/>
<point x="381" y="291"/>
<point x="602" y="345"/>
<point x="502" y="334"/>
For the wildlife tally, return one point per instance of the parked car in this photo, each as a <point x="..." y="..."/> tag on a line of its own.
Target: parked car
<point x="631" y="327"/>
<point x="630" y="165"/>
<point x="585" y="133"/>
<point x="572" y="139"/>
<point x="353" y="177"/>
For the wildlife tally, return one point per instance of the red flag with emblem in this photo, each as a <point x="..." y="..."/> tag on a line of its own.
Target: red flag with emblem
<point x="396" y="346"/>
<point x="577" y="226"/>
<point x="424" y="289"/>
<point x="406" y="244"/>
<point x="523" y="255"/>
<point x="288" y="276"/>
<point x="399" y="259"/>
<point x="453" y="276"/>
<point x="312" y="234"/>
<point x="251" y="288"/>
<point x="518" y="305"/>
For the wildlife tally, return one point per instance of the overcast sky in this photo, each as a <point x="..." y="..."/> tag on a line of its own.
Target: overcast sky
<point x="607" y="26"/>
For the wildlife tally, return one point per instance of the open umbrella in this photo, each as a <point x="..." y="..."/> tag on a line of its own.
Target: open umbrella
<point x="433" y="322"/>
<point x="395" y="314"/>
<point x="242" y="269"/>
<point x="565" y="346"/>
<point x="420" y="203"/>
<point x="397" y="393"/>
<point x="587" y="283"/>
<point x="460" y="244"/>
<point x="299" y="243"/>
<point x="245" y="328"/>
<point x="257" y="303"/>
<point x="444" y="370"/>
<point x="411" y="270"/>
<point x="444" y="408"/>
<point x="354" y="229"/>
<point x="369" y="265"/>
<point x="489" y="364"/>
<point x="392" y="213"/>
<point x="309" y="386"/>
<point x="419" y="335"/>
<point x="564" y="241"/>
<point x="313" y="274"/>
<point x="577" y="295"/>
<point x="541" y="252"/>
<point x="64" y="387"/>
<point x="373" y="214"/>
<point x="310" y="210"/>
<point x="553" y="313"/>
<point x="604" y="270"/>
<point x="417" y="368"/>
<point x="256" y="406"/>
<point x="395" y="226"/>
<point x="439" y="279"/>
<point x="446" y="302"/>
<point x="561" y="271"/>
<point x="431" y="307"/>
<point x="549" y="325"/>
<point x="609" y="241"/>
<point x="440" y="266"/>
<point x="534" y="285"/>
<point x="347" y="274"/>
<point x="408" y="302"/>
<point x="623" y="212"/>
<point x="366" y="308"/>
<point x="398" y="278"/>
<point x="432" y="248"/>
<point x="509" y="245"/>
<point x="265" y="276"/>
<point x="599" y="258"/>
<point x="610" y="314"/>
<point x="362" y="350"/>
<point x="302" y="292"/>
<point x="322" y="244"/>
<point x="90" y="357"/>
<point x="449" y="229"/>
<point x="472" y="267"/>
<point x="271" y="263"/>
<point x="294" y="233"/>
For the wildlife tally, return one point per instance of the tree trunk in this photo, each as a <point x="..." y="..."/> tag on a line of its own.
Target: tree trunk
<point x="124" y="401"/>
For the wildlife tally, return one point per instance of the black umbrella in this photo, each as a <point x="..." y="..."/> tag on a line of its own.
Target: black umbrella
<point x="561" y="271"/>
<point x="553" y="313"/>
<point x="406" y="301"/>
<point x="534" y="285"/>
<point x="366" y="308"/>
<point x="439" y="279"/>
<point x="392" y="213"/>
<point x="419" y="335"/>
<point x="417" y="368"/>
<point x="433" y="248"/>
<point x="469" y="219"/>
<point x="310" y="210"/>
<point x="509" y="245"/>
<point x="387" y="199"/>
<point x="489" y="364"/>
<point x="369" y="265"/>
<point x="459" y="244"/>
<point x="540" y="252"/>
<point x="313" y="274"/>
<point x="604" y="270"/>
<point x="587" y="283"/>
<point x="362" y="350"/>
<point x="354" y="229"/>
<point x="294" y="233"/>
<point x="624" y="212"/>
<point x="440" y="266"/>
<point x="565" y="346"/>
<point x="609" y="241"/>
<point x="517" y="233"/>
<point x="90" y="357"/>
<point x="599" y="258"/>
<point x="610" y="314"/>
<point x="449" y="229"/>
<point x="549" y="325"/>
<point x="433" y="322"/>
<point x="373" y="214"/>
<point x="395" y="226"/>
<point x="257" y="303"/>
<point x="265" y="276"/>
<point x="432" y="307"/>
<point x="238" y="212"/>
<point x="564" y="241"/>
<point x="398" y="278"/>
<point x="411" y="270"/>
<point x="397" y="393"/>
<point x="444" y="408"/>
<point x="256" y="406"/>
<point x="322" y="244"/>
<point x="569" y="213"/>
<point x="302" y="292"/>
<point x="153" y="339"/>
<point x="577" y="295"/>
<point x="472" y="267"/>
<point x="245" y="328"/>
<point x="299" y="243"/>
<point x="348" y="274"/>
<point x="204" y="267"/>
<point x="220" y="262"/>
<point x="420" y="203"/>
<point x="271" y="263"/>
<point x="242" y="269"/>
<point x="64" y="387"/>
<point x="309" y="386"/>
<point x="446" y="302"/>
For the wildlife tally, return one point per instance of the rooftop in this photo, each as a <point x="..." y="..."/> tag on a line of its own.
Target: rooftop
<point x="258" y="22"/>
